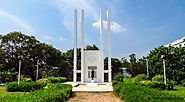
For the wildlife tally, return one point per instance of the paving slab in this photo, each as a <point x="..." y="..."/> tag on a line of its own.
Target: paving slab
<point x="91" y="87"/>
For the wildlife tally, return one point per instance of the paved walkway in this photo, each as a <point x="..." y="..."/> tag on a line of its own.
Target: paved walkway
<point x="91" y="87"/>
<point x="94" y="97"/>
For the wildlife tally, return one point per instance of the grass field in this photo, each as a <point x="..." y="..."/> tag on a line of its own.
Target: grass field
<point x="3" y="92"/>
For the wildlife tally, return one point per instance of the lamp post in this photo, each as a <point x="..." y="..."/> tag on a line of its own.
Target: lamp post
<point x="37" y="73"/>
<point x="147" y="68"/>
<point x="164" y="66"/>
<point x="19" y="74"/>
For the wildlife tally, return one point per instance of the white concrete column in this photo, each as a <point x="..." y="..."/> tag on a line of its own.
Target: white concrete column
<point x="82" y="45"/>
<point x="109" y="46"/>
<point x="75" y="47"/>
<point x="102" y="44"/>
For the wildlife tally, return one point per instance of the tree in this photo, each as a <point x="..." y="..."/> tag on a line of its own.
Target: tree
<point x="93" y="47"/>
<point x="16" y="44"/>
<point x="116" y="65"/>
<point x="175" y="62"/>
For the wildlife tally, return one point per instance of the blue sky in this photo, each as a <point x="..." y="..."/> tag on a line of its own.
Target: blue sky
<point x="137" y="25"/>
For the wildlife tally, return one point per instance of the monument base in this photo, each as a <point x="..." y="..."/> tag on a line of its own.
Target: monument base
<point x="92" y="81"/>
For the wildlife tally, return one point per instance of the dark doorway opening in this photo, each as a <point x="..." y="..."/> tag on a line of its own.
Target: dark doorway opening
<point x="78" y="76"/>
<point x="105" y="77"/>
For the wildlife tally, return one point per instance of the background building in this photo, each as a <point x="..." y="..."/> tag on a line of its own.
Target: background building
<point x="177" y="43"/>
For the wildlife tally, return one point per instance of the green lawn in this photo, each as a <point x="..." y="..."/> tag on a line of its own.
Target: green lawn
<point x="179" y="91"/>
<point x="3" y="92"/>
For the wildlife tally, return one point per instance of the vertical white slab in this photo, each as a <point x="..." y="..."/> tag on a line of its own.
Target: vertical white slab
<point x="109" y="46"/>
<point x="75" y="47"/>
<point x="82" y="45"/>
<point x="102" y="45"/>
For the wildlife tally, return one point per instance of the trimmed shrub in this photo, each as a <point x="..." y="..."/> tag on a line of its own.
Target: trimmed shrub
<point x="137" y="93"/>
<point x="25" y="79"/>
<point x="153" y="84"/>
<point x="170" y="84"/>
<point x="44" y="80"/>
<point x="158" y="78"/>
<point x="156" y="84"/>
<point x="145" y="82"/>
<point x="57" y="79"/>
<point x="183" y="82"/>
<point x="140" y="77"/>
<point x="129" y="80"/>
<point x="24" y="86"/>
<point x="56" y="93"/>
<point x="119" y="77"/>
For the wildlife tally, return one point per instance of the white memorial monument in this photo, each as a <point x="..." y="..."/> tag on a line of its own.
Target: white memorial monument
<point x="92" y="61"/>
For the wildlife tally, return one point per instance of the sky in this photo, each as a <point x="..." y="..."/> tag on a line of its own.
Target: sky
<point x="137" y="26"/>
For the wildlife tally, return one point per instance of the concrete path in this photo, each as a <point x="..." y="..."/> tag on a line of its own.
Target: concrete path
<point x="94" y="97"/>
<point x="91" y="87"/>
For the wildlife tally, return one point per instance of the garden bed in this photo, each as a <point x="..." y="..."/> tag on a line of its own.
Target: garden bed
<point x="51" y="93"/>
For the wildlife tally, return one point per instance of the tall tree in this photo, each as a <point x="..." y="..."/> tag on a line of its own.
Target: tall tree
<point x="16" y="44"/>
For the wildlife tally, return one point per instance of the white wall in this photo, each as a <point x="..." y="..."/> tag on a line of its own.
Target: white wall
<point x="92" y="58"/>
<point x="176" y="43"/>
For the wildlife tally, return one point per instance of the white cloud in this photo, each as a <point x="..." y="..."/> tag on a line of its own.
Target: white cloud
<point x="67" y="7"/>
<point x="12" y="19"/>
<point x="115" y="27"/>
<point x="47" y="37"/>
<point x="61" y="38"/>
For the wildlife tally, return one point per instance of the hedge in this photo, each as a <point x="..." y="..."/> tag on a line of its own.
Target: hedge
<point x="44" y="80"/>
<point x="55" y="93"/>
<point x="24" y="86"/>
<point x="158" y="78"/>
<point x="25" y="79"/>
<point x="140" y="77"/>
<point x="119" y="77"/>
<point x="137" y="93"/>
<point x="153" y="84"/>
<point x="57" y="79"/>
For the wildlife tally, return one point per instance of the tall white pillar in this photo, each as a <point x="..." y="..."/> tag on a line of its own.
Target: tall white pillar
<point x="75" y="47"/>
<point x="109" y="46"/>
<point x="82" y="45"/>
<point x="102" y="44"/>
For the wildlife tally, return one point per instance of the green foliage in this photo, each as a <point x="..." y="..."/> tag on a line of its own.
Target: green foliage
<point x="25" y="79"/>
<point x="93" y="47"/>
<point x="145" y="82"/>
<point x="153" y="84"/>
<point x="170" y="84"/>
<point x="16" y="44"/>
<point x="116" y="65"/>
<point x="57" y="79"/>
<point x="140" y="77"/>
<point x="7" y="76"/>
<point x="156" y="84"/>
<point x="174" y="62"/>
<point x="183" y="82"/>
<point x="129" y="80"/>
<point x="135" y="67"/>
<point x="137" y="93"/>
<point x="55" y="93"/>
<point x="44" y="80"/>
<point x="24" y="86"/>
<point x="158" y="78"/>
<point x="119" y="77"/>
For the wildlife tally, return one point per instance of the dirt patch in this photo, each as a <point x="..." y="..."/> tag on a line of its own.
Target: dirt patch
<point x="93" y="97"/>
